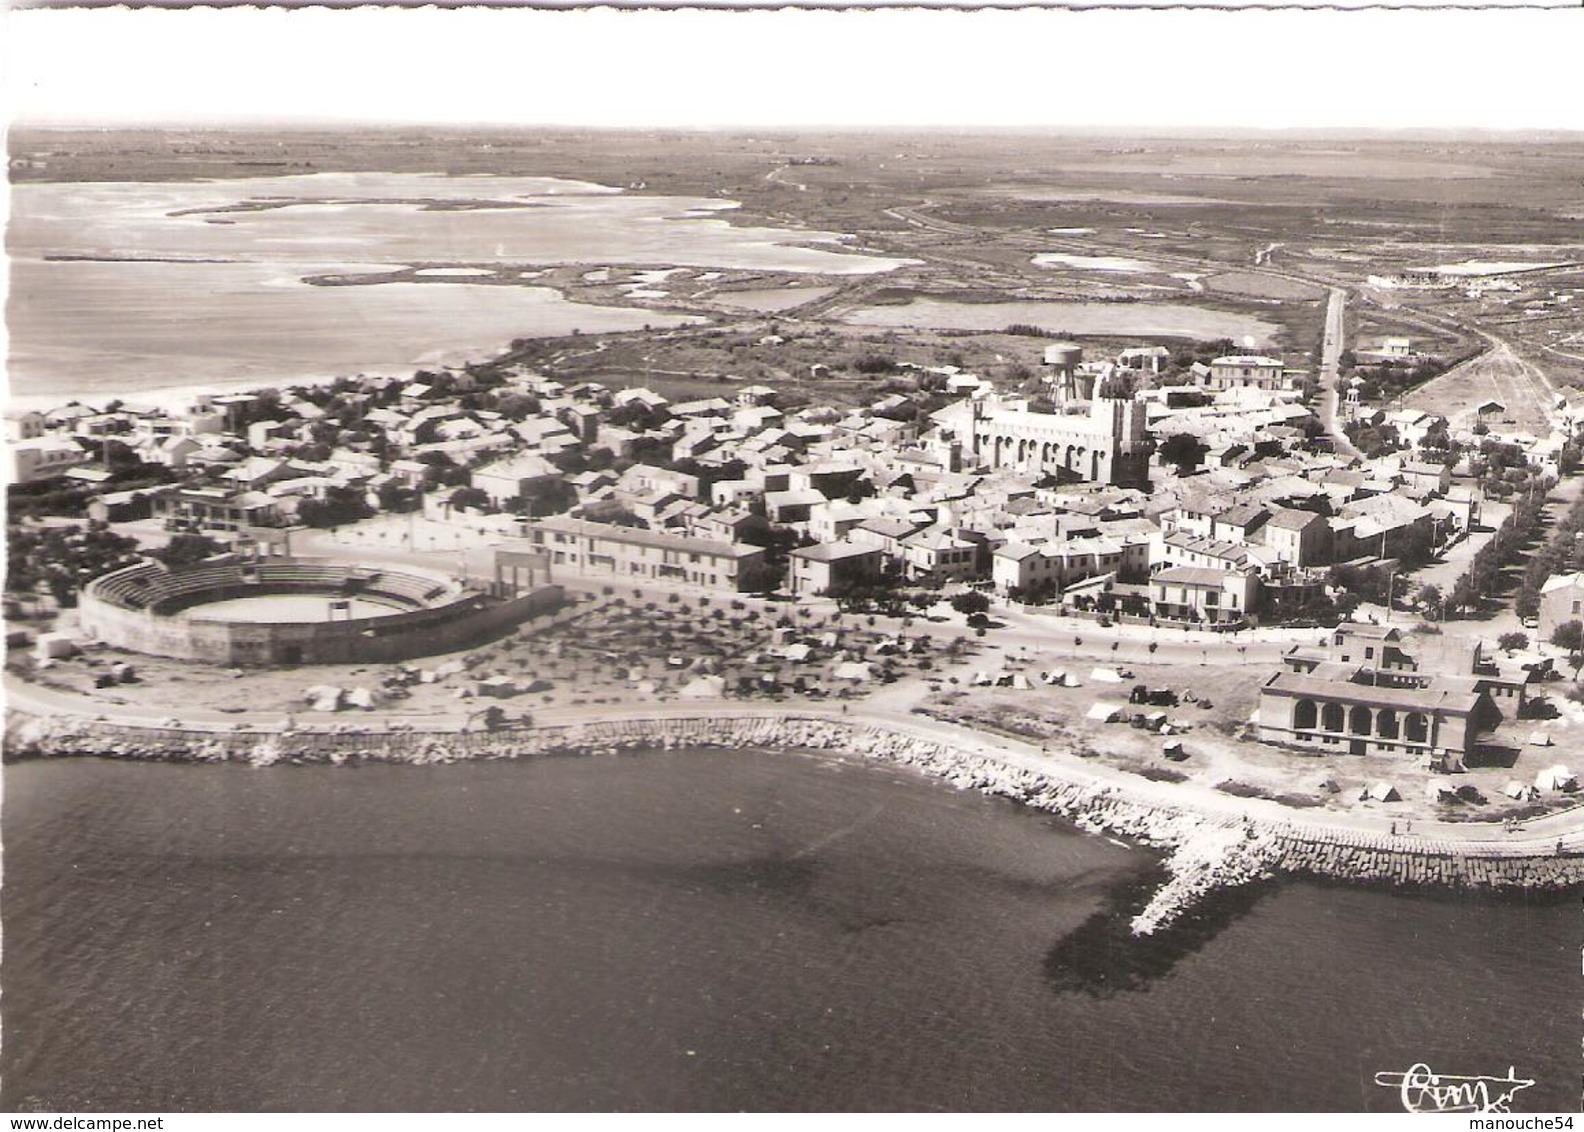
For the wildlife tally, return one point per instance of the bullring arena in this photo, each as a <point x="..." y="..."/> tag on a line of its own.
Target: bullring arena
<point x="275" y="611"/>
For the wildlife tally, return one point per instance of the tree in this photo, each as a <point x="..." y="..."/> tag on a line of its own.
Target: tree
<point x="63" y="558"/>
<point x="875" y="364"/>
<point x="186" y="549"/>
<point x="970" y="603"/>
<point x="1569" y="635"/>
<point x="395" y="496"/>
<point x="756" y="576"/>
<point x="474" y="497"/>
<point x="1182" y="450"/>
<point x="1430" y="599"/>
<point x="340" y="505"/>
<point x="1512" y="642"/>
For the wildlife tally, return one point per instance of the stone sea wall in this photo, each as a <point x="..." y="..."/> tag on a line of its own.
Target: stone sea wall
<point x="1205" y="849"/>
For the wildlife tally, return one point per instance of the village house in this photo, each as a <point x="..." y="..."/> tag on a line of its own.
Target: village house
<point x="1245" y="371"/>
<point x="1051" y="567"/>
<point x="939" y="554"/>
<point x="1413" y="425"/>
<point x="1200" y="594"/>
<point x="1561" y="601"/>
<point x="215" y="508"/>
<point x="1299" y="538"/>
<point x="818" y="569"/>
<point x="45" y="457"/>
<point x="1422" y="479"/>
<point x="630" y="554"/>
<point x="513" y="477"/>
<point x="27" y="425"/>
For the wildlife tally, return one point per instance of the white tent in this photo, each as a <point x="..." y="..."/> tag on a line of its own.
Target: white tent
<point x="855" y="670"/>
<point x="1540" y="739"/>
<point x="1518" y="790"/>
<point x="1556" y="778"/>
<point x="982" y="680"/>
<point x="1021" y="681"/>
<point x="1054" y="676"/>
<point x="1326" y="783"/>
<point x="1438" y="791"/>
<point x="323" y="697"/>
<point x="703" y="688"/>
<point x="1106" y="675"/>
<point x="1104" y="712"/>
<point x="1384" y="792"/>
<point x="1071" y="681"/>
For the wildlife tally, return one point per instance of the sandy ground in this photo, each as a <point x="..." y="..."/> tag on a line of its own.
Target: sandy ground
<point x="1497" y="375"/>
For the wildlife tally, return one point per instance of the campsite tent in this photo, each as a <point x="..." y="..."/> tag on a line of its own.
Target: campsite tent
<point x="854" y="670"/>
<point x="1104" y="712"/>
<point x="1106" y="675"/>
<point x="1437" y="791"/>
<point x="323" y="697"/>
<point x="703" y="688"/>
<point x="1556" y="778"/>
<point x="1539" y="739"/>
<point x="1326" y="783"/>
<point x="1173" y="749"/>
<point x="1518" y="790"/>
<point x="1383" y="792"/>
<point x="1021" y="681"/>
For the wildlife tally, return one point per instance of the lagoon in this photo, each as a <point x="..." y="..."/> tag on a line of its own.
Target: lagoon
<point x="1162" y="320"/>
<point x="118" y="288"/>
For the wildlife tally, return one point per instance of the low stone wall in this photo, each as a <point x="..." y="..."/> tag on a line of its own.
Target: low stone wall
<point x="1206" y="850"/>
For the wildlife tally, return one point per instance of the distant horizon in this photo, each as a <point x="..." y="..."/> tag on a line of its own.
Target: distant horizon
<point x="1141" y="131"/>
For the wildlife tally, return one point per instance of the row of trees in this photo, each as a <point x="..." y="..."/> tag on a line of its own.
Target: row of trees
<point x="1562" y="554"/>
<point x="1484" y="576"/>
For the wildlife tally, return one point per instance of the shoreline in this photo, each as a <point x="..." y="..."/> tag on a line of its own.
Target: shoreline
<point x="1204" y="851"/>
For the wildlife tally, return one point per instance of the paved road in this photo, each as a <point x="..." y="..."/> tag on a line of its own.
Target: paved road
<point x="1330" y="371"/>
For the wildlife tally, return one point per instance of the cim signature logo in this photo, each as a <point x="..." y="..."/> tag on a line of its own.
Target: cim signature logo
<point x="1423" y="1090"/>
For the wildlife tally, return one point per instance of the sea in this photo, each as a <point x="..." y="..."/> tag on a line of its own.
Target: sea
<point x="707" y="930"/>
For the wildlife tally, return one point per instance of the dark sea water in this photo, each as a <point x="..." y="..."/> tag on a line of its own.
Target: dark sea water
<point x="703" y="930"/>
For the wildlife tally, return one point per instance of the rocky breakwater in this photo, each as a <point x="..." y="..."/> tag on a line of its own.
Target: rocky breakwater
<point x="1206" y="850"/>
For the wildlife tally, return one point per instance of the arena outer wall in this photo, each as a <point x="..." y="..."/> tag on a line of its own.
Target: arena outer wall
<point x="465" y="619"/>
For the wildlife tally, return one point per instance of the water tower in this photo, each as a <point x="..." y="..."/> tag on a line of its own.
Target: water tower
<point x="1062" y="360"/>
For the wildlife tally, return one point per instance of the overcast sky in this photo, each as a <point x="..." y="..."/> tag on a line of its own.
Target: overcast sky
<point x="1510" y="69"/>
<point x="1141" y="69"/>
